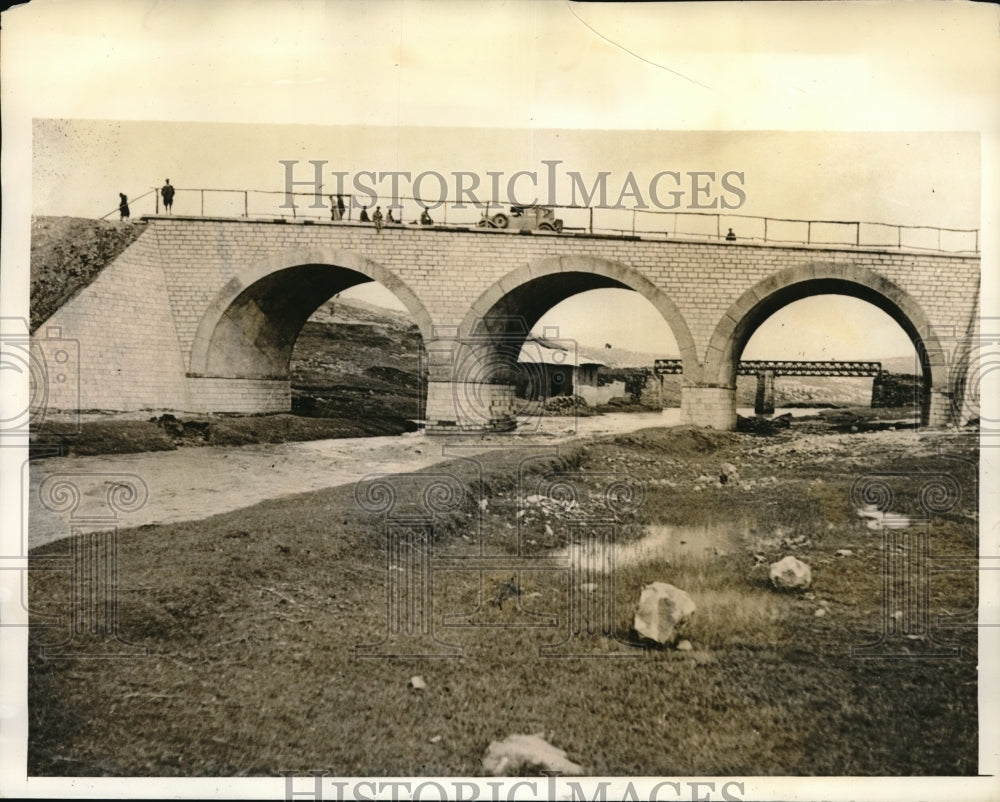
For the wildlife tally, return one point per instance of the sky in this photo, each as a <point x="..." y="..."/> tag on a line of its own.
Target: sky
<point x="918" y="178"/>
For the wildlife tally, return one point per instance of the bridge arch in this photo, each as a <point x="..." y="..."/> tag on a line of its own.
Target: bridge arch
<point x="249" y="329"/>
<point x="766" y="297"/>
<point x="514" y="303"/>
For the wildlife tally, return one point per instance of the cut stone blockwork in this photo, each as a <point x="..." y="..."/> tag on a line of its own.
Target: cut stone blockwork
<point x="201" y="314"/>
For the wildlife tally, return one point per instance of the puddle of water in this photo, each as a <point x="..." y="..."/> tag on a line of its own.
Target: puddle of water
<point x="661" y="542"/>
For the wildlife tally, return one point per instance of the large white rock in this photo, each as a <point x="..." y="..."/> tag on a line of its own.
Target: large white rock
<point x="790" y="573"/>
<point x="521" y="755"/>
<point x="728" y="473"/>
<point x="662" y="612"/>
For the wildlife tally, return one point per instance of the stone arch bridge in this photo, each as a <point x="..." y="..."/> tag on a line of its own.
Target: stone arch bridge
<point x="201" y="314"/>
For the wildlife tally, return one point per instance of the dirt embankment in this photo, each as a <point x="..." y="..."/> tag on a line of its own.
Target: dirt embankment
<point x="67" y="254"/>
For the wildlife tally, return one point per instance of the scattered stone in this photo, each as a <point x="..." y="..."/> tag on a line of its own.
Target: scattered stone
<point x="417" y="683"/>
<point x="728" y="473"/>
<point x="170" y="424"/>
<point x="523" y="755"/>
<point x="820" y="612"/>
<point x="844" y="552"/>
<point x="684" y="646"/>
<point x="662" y="611"/>
<point x="790" y="574"/>
<point x="764" y="426"/>
<point x="435" y="739"/>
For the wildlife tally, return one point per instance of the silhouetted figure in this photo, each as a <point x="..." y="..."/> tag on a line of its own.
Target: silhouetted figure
<point x="390" y="218"/>
<point x="334" y="213"/>
<point x="730" y="236"/>
<point x="364" y="215"/>
<point x="377" y="219"/>
<point x="167" y="192"/>
<point x="340" y="208"/>
<point x="123" y="206"/>
<point x="425" y="218"/>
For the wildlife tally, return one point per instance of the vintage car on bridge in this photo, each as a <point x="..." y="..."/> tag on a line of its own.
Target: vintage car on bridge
<point x="523" y="218"/>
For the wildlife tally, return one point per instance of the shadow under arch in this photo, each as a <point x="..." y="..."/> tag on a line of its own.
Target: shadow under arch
<point x="250" y="328"/>
<point x="766" y="297"/>
<point x="515" y="302"/>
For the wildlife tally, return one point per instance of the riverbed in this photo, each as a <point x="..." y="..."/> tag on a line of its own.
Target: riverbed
<point x="197" y="482"/>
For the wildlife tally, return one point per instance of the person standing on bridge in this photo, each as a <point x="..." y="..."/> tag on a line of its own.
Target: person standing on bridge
<point x="377" y="219"/>
<point x="167" y="192"/>
<point x="337" y="208"/>
<point x="123" y="206"/>
<point x="363" y="217"/>
<point x="730" y="236"/>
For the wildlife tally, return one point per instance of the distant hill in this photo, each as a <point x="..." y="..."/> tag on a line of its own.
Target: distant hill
<point x="356" y="359"/>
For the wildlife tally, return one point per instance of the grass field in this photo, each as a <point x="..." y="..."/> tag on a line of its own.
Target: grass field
<point x="251" y="620"/>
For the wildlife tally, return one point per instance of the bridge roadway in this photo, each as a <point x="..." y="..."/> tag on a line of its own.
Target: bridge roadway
<point x="201" y="314"/>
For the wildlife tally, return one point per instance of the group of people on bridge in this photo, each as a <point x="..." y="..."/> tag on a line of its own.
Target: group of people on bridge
<point x="166" y="192"/>
<point x="337" y="210"/>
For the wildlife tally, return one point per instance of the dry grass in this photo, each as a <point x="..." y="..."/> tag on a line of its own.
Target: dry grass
<point x="251" y="621"/>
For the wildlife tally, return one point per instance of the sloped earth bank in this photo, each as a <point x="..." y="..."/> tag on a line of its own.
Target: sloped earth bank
<point x="67" y="253"/>
<point x="250" y="619"/>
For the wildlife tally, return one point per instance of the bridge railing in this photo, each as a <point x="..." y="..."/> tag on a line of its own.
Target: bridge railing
<point x="591" y="220"/>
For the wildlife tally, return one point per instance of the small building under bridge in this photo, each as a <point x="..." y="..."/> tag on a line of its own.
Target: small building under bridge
<point x="547" y="370"/>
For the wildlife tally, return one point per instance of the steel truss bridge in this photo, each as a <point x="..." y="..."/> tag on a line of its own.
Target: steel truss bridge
<point x="767" y="369"/>
<point x="783" y="367"/>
